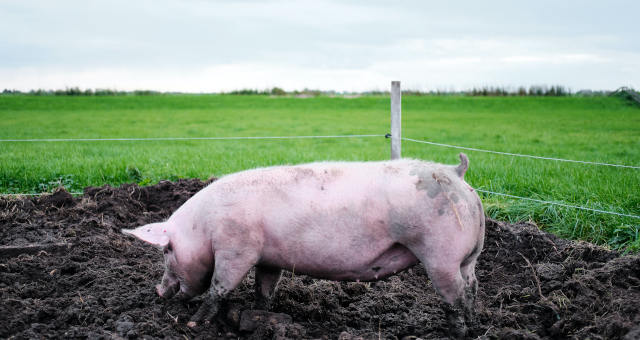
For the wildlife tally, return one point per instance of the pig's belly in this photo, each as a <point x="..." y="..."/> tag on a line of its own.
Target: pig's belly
<point x="361" y="266"/>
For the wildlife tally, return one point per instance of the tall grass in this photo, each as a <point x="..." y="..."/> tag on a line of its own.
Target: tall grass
<point x="601" y="129"/>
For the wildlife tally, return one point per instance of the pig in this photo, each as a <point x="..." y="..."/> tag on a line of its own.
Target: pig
<point x="351" y="221"/>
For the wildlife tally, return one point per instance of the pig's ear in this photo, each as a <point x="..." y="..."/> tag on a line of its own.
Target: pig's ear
<point x="154" y="233"/>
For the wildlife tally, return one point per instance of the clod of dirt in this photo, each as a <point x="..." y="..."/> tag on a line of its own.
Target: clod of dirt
<point x="58" y="199"/>
<point x="124" y="325"/>
<point x="251" y="319"/>
<point x="9" y="251"/>
<point x="533" y="285"/>
<point x="633" y="334"/>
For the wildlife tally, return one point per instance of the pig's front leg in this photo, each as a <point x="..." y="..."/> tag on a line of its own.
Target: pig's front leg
<point x="230" y="268"/>
<point x="267" y="279"/>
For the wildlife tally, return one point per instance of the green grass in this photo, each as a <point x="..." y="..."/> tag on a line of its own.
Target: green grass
<point x="601" y="129"/>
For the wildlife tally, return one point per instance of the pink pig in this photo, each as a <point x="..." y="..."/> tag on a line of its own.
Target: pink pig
<point x="330" y="220"/>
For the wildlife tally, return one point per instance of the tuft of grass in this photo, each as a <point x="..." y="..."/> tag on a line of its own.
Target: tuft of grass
<point x="601" y="129"/>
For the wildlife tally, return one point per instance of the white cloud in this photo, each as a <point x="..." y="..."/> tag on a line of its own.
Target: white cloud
<point x="559" y="58"/>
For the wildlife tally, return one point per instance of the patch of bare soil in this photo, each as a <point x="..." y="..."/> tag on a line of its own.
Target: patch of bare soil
<point x="67" y="271"/>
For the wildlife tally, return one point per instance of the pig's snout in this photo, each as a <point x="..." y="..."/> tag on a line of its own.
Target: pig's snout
<point x="167" y="292"/>
<point x="169" y="285"/>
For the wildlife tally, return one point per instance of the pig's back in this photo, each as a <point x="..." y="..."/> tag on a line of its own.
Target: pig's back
<point x="326" y="185"/>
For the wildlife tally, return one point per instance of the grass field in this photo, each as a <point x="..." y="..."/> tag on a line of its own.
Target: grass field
<point x="601" y="129"/>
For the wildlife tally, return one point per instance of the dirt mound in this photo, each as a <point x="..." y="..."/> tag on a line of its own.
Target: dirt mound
<point x="67" y="271"/>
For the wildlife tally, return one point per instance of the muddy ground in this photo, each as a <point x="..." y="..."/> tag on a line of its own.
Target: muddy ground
<point x="67" y="272"/>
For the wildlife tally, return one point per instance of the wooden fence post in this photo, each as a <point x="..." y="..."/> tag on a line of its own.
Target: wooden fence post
<point x="396" y="120"/>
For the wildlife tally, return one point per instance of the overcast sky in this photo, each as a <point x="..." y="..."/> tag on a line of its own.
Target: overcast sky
<point x="211" y="46"/>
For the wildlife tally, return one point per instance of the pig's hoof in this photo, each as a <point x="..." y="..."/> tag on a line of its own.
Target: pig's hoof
<point x="192" y="324"/>
<point x="263" y="304"/>
<point x="459" y="332"/>
<point x="207" y="311"/>
<point x="456" y="322"/>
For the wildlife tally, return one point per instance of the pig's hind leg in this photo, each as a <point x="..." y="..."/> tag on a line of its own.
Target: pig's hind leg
<point x="468" y="272"/>
<point x="447" y="279"/>
<point x="229" y="270"/>
<point x="448" y="282"/>
<point x="267" y="279"/>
